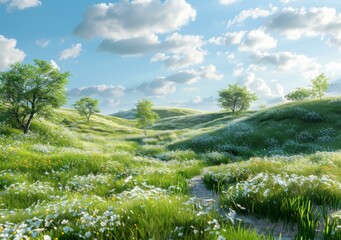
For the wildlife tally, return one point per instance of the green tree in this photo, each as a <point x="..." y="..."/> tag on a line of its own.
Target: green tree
<point x="30" y="90"/>
<point x="299" y="94"/>
<point x="145" y="117"/>
<point x="236" y="99"/>
<point x="319" y="85"/>
<point x="87" y="106"/>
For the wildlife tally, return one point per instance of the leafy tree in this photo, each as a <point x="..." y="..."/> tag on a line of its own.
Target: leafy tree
<point x="87" y="106"/>
<point x="319" y="85"/>
<point x="236" y="98"/>
<point x="299" y="94"/>
<point x="144" y="115"/>
<point x="29" y="90"/>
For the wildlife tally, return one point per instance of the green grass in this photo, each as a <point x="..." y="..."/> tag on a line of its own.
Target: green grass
<point x="301" y="127"/>
<point x="70" y="180"/>
<point x="163" y="112"/>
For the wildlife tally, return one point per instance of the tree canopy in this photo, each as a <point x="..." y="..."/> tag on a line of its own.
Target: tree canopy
<point x="299" y="94"/>
<point x="87" y="106"/>
<point x="319" y="85"/>
<point x="28" y="90"/>
<point x="145" y="117"/>
<point x="236" y="98"/>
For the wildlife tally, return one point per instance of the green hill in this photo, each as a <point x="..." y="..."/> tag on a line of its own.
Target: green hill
<point x="163" y="112"/>
<point x="67" y="179"/>
<point x="293" y="128"/>
<point x="195" y="121"/>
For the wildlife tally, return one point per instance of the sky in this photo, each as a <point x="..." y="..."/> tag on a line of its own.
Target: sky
<point x="177" y="53"/>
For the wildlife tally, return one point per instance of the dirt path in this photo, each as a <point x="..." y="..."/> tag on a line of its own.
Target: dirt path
<point x="211" y="200"/>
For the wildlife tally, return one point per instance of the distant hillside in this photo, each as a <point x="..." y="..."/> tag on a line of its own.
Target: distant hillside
<point x="163" y="112"/>
<point x="195" y="121"/>
<point x="293" y="128"/>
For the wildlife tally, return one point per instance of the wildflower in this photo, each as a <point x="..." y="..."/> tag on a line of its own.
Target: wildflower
<point x="47" y="237"/>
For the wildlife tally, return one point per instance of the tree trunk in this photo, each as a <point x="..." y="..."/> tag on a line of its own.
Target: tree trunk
<point x="145" y="131"/>
<point x="88" y="119"/>
<point x="28" y="123"/>
<point x="26" y="127"/>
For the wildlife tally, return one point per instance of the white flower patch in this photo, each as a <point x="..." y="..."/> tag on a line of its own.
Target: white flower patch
<point x="88" y="182"/>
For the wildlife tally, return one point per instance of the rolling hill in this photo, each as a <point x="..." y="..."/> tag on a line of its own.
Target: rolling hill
<point x="163" y="112"/>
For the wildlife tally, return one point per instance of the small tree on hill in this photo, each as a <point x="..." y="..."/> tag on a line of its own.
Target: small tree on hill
<point x="319" y="85"/>
<point x="145" y="117"/>
<point x="87" y="106"/>
<point x="299" y="94"/>
<point x="236" y="99"/>
<point x="29" y="90"/>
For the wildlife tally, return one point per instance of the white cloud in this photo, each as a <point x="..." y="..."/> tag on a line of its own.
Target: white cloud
<point x="263" y="89"/>
<point x="183" y="51"/>
<point x="72" y="52"/>
<point x="229" y="38"/>
<point x="103" y="91"/>
<point x="158" y="87"/>
<point x="42" y="42"/>
<point x="285" y="61"/>
<point x="9" y="54"/>
<point x="176" y="51"/>
<point x="54" y="65"/>
<point x="161" y="86"/>
<point x="253" y="13"/>
<point x="333" y="69"/>
<point x="134" y="19"/>
<point x="295" y="23"/>
<point x="21" y="4"/>
<point x="132" y="46"/>
<point x="257" y="40"/>
<point x="228" y="2"/>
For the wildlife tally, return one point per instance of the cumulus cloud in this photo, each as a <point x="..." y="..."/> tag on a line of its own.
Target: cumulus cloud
<point x="21" y="4"/>
<point x="131" y="28"/>
<point x="284" y="61"/>
<point x="228" y="2"/>
<point x="253" y="13"/>
<point x="166" y="85"/>
<point x="134" y="19"/>
<point x="9" y="54"/>
<point x="179" y="51"/>
<point x="268" y="89"/>
<point x="295" y="23"/>
<point x="229" y="38"/>
<point x="72" y="52"/>
<point x="158" y="87"/>
<point x="103" y="91"/>
<point x="42" y="43"/>
<point x="176" y="51"/>
<point x="257" y="40"/>
<point x="132" y="46"/>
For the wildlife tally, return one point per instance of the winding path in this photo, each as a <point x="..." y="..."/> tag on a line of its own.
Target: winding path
<point x="211" y="200"/>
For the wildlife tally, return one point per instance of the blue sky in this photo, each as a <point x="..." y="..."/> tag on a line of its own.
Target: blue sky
<point x="176" y="52"/>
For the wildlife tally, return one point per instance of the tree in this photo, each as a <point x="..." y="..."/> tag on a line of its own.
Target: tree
<point x="145" y="117"/>
<point x="319" y="85"/>
<point x="236" y="98"/>
<point x="29" y="90"/>
<point x="87" y="106"/>
<point x="299" y="94"/>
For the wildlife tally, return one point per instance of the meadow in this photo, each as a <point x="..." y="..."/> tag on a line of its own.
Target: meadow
<point x="67" y="179"/>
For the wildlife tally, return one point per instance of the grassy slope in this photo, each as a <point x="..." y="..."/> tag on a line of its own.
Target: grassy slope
<point x="163" y="112"/>
<point x="94" y="169"/>
<point x="299" y="127"/>
<point x="195" y="121"/>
